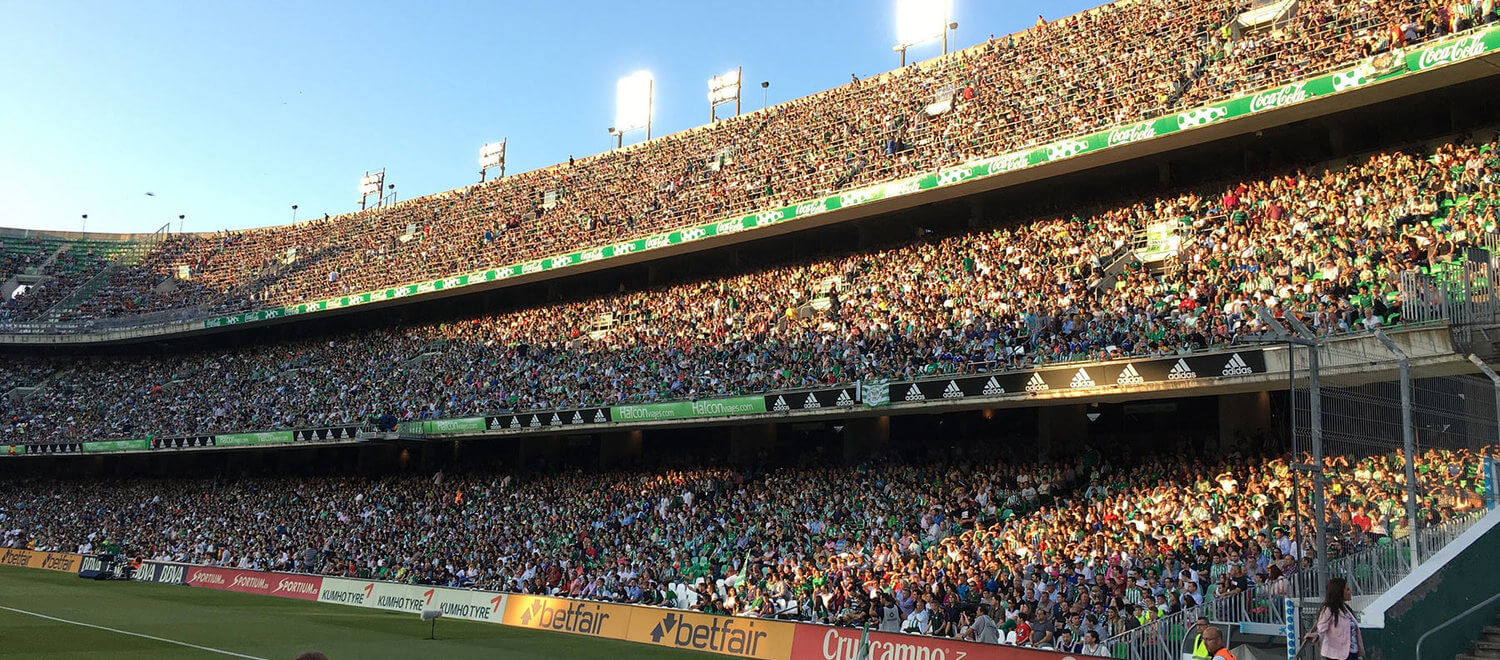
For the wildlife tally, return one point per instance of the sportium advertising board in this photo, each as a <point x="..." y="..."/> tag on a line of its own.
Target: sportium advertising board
<point x="285" y="585"/>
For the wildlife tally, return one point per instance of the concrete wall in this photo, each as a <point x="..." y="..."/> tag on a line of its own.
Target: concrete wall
<point x="1467" y="580"/>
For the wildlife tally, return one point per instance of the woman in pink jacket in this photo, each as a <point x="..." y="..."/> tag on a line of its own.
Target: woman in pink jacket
<point x="1337" y="627"/>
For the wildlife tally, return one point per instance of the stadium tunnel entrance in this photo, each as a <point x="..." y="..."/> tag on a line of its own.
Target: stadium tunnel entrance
<point x="1223" y="424"/>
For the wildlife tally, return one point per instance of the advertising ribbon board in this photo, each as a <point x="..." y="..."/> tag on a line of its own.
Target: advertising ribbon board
<point x="649" y="412"/>
<point x="66" y="562"/>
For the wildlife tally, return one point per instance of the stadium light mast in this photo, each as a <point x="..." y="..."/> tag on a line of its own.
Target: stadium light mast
<point x="633" y="104"/>
<point x="1306" y="338"/>
<point x="1408" y="442"/>
<point x="722" y="89"/>
<point x="294" y="214"/>
<point x="921" y="21"/>
<point x="371" y="184"/>
<point x="492" y="155"/>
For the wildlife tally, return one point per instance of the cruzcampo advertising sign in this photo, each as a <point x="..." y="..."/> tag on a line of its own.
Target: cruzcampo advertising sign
<point x="261" y="438"/>
<point x="648" y="412"/>
<point x="116" y="445"/>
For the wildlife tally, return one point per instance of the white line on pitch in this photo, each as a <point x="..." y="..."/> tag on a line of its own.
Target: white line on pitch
<point x="132" y="634"/>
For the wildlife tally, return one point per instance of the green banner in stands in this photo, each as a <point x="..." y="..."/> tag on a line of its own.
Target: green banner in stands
<point x="744" y="405"/>
<point x="261" y="438"/>
<point x="459" y="425"/>
<point x="116" y="445"/>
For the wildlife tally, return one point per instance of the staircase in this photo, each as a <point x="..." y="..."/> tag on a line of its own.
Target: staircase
<point x="1487" y="646"/>
<point x="80" y="294"/>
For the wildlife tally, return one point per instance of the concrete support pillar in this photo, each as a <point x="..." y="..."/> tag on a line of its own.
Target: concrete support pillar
<point x="619" y="447"/>
<point x="866" y="435"/>
<point x="747" y="442"/>
<point x="1241" y="417"/>
<point x="1338" y="139"/>
<point x="976" y="212"/>
<point x="376" y="458"/>
<point x="1164" y="174"/>
<point x="1061" y="427"/>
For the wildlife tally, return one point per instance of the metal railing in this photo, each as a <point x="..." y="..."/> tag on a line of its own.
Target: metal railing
<point x="1369" y="572"/>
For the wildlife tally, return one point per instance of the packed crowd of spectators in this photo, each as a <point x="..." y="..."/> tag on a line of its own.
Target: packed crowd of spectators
<point x="1330" y="245"/>
<point x="1088" y="543"/>
<point x="59" y="274"/>
<point x="1116" y="64"/>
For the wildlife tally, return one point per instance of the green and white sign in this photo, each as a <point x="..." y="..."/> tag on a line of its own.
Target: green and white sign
<point x="260" y="438"/>
<point x="648" y="412"/>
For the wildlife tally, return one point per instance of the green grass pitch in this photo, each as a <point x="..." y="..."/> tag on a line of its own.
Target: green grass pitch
<point x="251" y="626"/>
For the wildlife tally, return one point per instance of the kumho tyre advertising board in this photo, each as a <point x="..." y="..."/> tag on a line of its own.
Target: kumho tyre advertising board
<point x="413" y="598"/>
<point x="285" y="585"/>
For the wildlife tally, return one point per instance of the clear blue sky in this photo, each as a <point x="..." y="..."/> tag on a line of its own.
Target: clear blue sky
<point x="230" y="112"/>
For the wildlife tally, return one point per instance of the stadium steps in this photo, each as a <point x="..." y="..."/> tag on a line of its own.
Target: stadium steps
<point x="1487" y="646"/>
<point x="84" y="292"/>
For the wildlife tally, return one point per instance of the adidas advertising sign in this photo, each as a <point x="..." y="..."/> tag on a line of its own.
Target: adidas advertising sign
<point x="1236" y="367"/>
<point x="1127" y="374"/>
<point x="326" y="434"/>
<point x="1181" y="371"/>
<point x="838" y="397"/>
<point x="1081" y="379"/>
<point x="1036" y="383"/>
<point x="914" y="393"/>
<point x="554" y="418"/>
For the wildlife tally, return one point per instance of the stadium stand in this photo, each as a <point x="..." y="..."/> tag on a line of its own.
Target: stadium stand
<point x="1082" y="542"/>
<point x="1096" y="538"/>
<point x="1109" y="66"/>
<point x="1331" y="246"/>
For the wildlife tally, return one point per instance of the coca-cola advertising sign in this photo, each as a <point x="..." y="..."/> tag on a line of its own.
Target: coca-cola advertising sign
<point x="285" y="585"/>
<point x="827" y="643"/>
<point x="1459" y="49"/>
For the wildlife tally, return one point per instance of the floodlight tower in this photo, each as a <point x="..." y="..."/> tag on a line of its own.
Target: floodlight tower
<point x="490" y="156"/>
<point x="371" y="184"/>
<point x="633" y="103"/>
<point x="921" y="21"/>
<point x="723" y="89"/>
